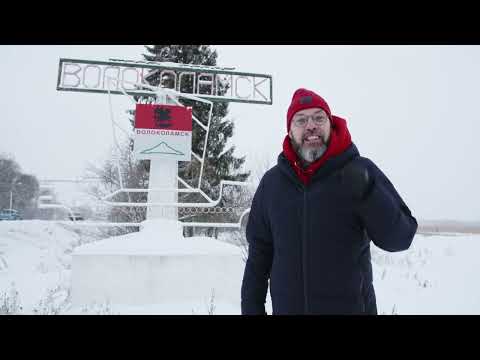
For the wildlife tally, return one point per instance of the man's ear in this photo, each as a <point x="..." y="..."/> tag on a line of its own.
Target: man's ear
<point x="290" y="134"/>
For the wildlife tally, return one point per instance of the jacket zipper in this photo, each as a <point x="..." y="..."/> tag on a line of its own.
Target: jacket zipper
<point x="305" y="253"/>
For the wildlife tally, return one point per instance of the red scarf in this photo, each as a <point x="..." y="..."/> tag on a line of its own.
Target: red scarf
<point x="340" y="140"/>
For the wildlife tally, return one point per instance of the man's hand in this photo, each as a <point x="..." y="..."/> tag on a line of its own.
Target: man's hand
<point x="356" y="177"/>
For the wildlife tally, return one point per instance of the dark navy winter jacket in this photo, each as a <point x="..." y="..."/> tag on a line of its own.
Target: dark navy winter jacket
<point x="311" y="242"/>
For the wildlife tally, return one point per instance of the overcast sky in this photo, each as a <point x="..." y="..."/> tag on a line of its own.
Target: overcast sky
<point x="411" y="109"/>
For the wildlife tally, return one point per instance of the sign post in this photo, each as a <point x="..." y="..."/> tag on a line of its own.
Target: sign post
<point x="163" y="134"/>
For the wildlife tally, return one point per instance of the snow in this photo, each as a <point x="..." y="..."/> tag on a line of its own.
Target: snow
<point x="35" y="256"/>
<point x="203" y="306"/>
<point x="158" y="237"/>
<point x="437" y="275"/>
<point x="156" y="264"/>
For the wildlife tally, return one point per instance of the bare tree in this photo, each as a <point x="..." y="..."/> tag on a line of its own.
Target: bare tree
<point x="16" y="188"/>
<point x="238" y="237"/>
<point x="133" y="175"/>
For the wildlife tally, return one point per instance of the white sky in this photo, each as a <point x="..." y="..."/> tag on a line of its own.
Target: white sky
<point x="411" y="109"/>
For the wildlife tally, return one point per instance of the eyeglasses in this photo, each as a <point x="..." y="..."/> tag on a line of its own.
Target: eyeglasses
<point x="301" y="121"/>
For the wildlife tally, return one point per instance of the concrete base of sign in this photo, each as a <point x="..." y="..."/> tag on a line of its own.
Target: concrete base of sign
<point x="156" y="265"/>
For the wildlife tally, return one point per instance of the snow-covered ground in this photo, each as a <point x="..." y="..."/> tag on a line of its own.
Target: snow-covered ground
<point x="35" y="258"/>
<point x="437" y="275"/>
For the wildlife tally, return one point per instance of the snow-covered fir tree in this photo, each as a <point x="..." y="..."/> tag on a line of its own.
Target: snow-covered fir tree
<point x="220" y="163"/>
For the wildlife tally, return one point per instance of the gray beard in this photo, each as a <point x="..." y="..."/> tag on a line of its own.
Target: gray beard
<point x="308" y="156"/>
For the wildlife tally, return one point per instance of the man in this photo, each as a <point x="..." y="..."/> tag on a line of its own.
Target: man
<point x="312" y="219"/>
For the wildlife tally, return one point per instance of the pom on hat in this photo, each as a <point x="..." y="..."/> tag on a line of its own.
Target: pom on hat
<point x="305" y="99"/>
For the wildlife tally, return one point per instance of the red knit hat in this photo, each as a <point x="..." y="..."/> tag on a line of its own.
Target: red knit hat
<point x="305" y="99"/>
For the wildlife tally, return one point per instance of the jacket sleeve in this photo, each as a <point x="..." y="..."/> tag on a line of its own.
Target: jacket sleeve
<point x="387" y="219"/>
<point x="259" y="261"/>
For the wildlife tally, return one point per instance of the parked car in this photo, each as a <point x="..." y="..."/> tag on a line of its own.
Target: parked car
<point x="76" y="216"/>
<point x="10" y="214"/>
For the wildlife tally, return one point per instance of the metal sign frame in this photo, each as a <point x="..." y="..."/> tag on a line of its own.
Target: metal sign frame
<point x="212" y="78"/>
<point x="146" y="69"/>
<point x="209" y="203"/>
